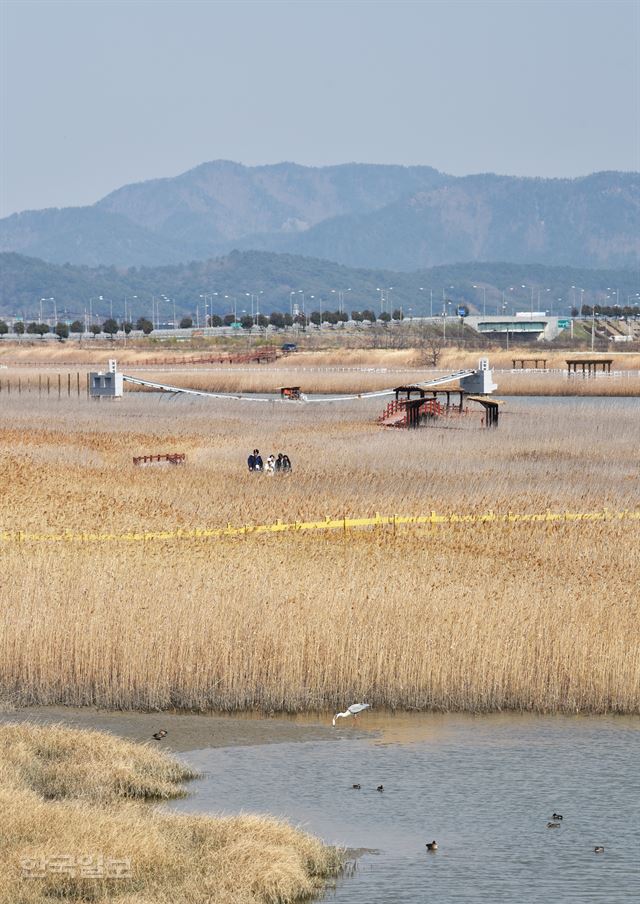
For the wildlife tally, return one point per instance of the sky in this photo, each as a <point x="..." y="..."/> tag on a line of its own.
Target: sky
<point x="95" y="94"/>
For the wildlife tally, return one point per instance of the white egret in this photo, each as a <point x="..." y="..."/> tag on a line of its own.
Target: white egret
<point x="352" y="710"/>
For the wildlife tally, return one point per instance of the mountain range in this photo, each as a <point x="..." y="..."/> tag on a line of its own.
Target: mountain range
<point x="359" y="215"/>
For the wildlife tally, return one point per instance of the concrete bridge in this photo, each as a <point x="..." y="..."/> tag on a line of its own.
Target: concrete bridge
<point x="536" y="325"/>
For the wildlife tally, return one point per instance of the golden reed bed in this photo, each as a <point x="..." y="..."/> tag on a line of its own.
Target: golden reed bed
<point x="477" y="617"/>
<point x="499" y="618"/>
<point x="338" y="369"/>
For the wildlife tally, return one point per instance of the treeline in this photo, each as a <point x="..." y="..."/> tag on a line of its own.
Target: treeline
<point x="277" y="319"/>
<point x="614" y="312"/>
<point x="63" y="330"/>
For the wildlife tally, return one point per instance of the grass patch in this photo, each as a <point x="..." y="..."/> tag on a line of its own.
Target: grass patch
<point x="76" y="794"/>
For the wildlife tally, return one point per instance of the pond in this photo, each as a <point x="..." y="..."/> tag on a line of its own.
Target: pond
<point x="483" y="787"/>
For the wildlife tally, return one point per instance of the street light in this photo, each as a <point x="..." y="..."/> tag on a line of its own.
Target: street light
<point x="444" y="300"/>
<point x="164" y="298"/>
<point x="255" y="299"/>
<point x="235" y="310"/>
<point x="529" y="287"/>
<point x="504" y="306"/>
<point x="207" y="295"/>
<point x="125" y="305"/>
<point x="340" y="293"/>
<point x="384" y="298"/>
<point x="41" y="300"/>
<point x="204" y="297"/>
<point x="546" y="290"/>
<point x="97" y="298"/>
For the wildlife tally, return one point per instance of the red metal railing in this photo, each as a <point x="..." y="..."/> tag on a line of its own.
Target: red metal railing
<point x="173" y="458"/>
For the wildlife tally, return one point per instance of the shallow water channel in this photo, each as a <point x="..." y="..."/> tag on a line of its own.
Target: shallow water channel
<point x="484" y="787"/>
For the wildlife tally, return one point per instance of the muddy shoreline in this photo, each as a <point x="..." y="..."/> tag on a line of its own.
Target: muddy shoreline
<point x="185" y="731"/>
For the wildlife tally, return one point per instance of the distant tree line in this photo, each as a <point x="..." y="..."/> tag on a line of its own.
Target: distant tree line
<point x="616" y="312"/>
<point x="62" y="329"/>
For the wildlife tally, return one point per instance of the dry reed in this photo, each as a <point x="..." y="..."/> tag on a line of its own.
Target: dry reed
<point x="354" y="380"/>
<point x="501" y="616"/>
<point x="65" y="793"/>
<point x="340" y="368"/>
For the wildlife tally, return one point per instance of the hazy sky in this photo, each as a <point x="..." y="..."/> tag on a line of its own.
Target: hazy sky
<point x="98" y="93"/>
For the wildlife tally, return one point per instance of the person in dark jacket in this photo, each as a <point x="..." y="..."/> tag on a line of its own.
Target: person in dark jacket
<point x="251" y="461"/>
<point x="257" y="465"/>
<point x="286" y="463"/>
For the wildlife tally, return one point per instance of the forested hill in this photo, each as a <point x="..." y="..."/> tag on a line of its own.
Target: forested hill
<point x="393" y="217"/>
<point x="281" y="279"/>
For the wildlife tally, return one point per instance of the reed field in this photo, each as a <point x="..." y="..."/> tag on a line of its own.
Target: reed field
<point x="75" y="826"/>
<point x="330" y="370"/>
<point x="478" y="617"/>
<point x="357" y="380"/>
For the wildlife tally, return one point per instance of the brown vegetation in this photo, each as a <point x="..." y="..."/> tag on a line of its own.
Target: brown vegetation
<point x="539" y="617"/>
<point x="338" y="369"/>
<point x="68" y="793"/>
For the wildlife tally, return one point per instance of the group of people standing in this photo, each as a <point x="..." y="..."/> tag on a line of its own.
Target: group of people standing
<point x="272" y="465"/>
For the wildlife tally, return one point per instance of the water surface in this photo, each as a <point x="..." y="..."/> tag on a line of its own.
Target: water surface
<point x="483" y="787"/>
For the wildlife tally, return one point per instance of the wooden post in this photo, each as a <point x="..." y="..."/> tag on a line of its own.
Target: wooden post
<point x="48" y="385"/>
<point x="39" y="384"/>
<point x="68" y="385"/>
<point x="59" y="384"/>
<point x="78" y="382"/>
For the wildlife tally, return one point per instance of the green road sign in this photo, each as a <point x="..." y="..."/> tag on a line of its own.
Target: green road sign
<point x="564" y="324"/>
